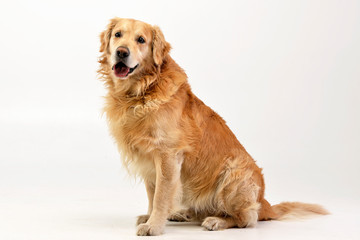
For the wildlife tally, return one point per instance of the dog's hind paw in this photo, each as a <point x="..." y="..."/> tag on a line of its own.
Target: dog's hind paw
<point x="214" y="223"/>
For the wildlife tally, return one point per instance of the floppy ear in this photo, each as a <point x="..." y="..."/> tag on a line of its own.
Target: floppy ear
<point x="160" y="47"/>
<point x="105" y="35"/>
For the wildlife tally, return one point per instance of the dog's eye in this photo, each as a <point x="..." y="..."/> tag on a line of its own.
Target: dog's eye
<point x="118" y="34"/>
<point x="141" y="40"/>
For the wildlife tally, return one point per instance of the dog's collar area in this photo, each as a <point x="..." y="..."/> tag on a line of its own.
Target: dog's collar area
<point x="121" y="70"/>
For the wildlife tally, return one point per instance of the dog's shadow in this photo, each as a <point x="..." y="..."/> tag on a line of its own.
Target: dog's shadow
<point x="123" y="222"/>
<point x="124" y="225"/>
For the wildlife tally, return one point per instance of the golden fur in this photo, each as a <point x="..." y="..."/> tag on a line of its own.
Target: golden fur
<point x="193" y="166"/>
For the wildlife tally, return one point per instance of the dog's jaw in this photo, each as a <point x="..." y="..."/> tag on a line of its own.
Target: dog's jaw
<point x="122" y="71"/>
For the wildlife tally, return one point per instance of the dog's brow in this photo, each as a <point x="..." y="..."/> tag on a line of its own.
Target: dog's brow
<point x="138" y="34"/>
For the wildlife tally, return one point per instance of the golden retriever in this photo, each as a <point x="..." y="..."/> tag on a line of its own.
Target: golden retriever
<point x="193" y="166"/>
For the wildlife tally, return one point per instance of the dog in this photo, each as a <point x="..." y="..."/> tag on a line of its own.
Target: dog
<point x="193" y="166"/>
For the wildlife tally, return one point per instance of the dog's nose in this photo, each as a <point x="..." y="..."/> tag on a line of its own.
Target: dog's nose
<point x="122" y="52"/>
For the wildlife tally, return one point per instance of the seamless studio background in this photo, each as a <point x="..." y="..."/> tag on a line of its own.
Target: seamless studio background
<point x="285" y="76"/>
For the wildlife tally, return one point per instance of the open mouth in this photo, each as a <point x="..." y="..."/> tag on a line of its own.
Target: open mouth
<point x="121" y="70"/>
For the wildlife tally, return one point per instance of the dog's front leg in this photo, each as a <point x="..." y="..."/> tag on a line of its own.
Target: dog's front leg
<point x="150" y="190"/>
<point x="167" y="180"/>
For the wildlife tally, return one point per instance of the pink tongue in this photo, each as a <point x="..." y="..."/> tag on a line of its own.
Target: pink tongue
<point x="122" y="71"/>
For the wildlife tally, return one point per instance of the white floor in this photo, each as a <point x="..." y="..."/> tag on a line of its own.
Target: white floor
<point x="66" y="182"/>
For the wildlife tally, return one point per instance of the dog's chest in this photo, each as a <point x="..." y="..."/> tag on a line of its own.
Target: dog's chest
<point x="142" y="137"/>
<point x="138" y="141"/>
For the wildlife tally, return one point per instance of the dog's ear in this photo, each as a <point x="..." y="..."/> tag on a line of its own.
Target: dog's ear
<point x="105" y="35"/>
<point x="160" y="47"/>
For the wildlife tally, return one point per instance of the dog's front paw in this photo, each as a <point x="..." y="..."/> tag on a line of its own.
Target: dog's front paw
<point x="180" y="216"/>
<point x="145" y="229"/>
<point x="142" y="219"/>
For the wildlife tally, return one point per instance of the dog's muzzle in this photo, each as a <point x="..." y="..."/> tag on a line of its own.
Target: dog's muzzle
<point x="121" y="70"/>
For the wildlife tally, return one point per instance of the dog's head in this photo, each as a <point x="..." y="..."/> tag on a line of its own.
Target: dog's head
<point x="132" y="47"/>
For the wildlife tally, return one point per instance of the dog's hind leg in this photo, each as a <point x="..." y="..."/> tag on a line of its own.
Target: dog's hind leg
<point x="240" y="202"/>
<point x="237" y="204"/>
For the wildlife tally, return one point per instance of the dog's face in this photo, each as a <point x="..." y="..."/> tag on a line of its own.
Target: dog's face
<point x="132" y="47"/>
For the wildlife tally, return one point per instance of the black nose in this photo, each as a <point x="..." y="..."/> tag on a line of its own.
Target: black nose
<point x="122" y="52"/>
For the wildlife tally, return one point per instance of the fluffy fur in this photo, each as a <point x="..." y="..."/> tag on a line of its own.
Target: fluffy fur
<point x="193" y="166"/>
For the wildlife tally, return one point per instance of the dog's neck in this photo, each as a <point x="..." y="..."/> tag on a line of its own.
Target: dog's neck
<point x="147" y="91"/>
<point x="162" y="81"/>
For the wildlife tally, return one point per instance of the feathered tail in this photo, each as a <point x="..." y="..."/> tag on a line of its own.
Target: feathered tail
<point x="296" y="210"/>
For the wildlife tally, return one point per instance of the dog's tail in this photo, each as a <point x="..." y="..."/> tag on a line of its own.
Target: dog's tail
<point x="290" y="210"/>
<point x="296" y="210"/>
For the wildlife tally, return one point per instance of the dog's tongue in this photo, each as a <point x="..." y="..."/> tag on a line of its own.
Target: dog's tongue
<point x="121" y="71"/>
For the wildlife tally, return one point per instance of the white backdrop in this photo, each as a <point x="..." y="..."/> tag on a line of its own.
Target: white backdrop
<point x="285" y="76"/>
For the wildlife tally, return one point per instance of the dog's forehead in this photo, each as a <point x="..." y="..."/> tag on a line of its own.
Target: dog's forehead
<point x="133" y="26"/>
